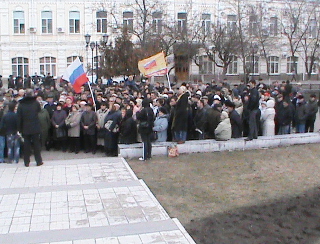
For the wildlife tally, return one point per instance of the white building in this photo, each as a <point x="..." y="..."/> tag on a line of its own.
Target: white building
<point x="45" y="36"/>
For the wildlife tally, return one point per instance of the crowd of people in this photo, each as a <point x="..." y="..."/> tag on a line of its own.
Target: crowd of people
<point x="43" y="114"/>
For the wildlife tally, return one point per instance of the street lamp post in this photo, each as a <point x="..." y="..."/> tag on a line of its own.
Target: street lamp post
<point x="254" y="50"/>
<point x="214" y="61"/>
<point x="95" y="45"/>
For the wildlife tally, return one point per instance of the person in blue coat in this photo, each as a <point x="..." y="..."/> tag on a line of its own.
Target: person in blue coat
<point x="161" y="125"/>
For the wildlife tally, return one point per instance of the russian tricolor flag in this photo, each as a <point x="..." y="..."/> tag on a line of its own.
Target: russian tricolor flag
<point x="75" y="75"/>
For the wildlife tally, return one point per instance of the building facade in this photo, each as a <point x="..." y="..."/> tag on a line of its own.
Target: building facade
<point x="45" y="36"/>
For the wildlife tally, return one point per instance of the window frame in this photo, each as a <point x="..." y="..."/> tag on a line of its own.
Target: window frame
<point x="74" y="23"/>
<point x="274" y="64"/>
<point x="48" y="67"/>
<point x="48" y="23"/>
<point x="23" y="66"/>
<point x="233" y="66"/>
<point x="102" y="21"/>
<point x="128" y="20"/>
<point x="19" y="24"/>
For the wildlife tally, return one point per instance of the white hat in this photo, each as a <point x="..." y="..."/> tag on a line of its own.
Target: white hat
<point x="216" y="97"/>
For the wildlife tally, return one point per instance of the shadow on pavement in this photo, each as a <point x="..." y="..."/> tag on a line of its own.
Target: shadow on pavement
<point x="288" y="220"/>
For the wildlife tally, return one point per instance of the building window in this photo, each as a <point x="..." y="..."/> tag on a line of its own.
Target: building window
<point x="46" y="22"/>
<point x="231" y="23"/>
<point x="312" y="29"/>
<point x="292" y="65"/>
<point x="182" y="23"/>
<point x="314" y="66"/>
<point x="273" y="62"/>
<point x="72" y="58"/>
<point x="253" y="25"/>
<point x="252" y="64"/>
<point x="233" y="66"/>
<point x="273" y="26"/>
<point x="74" y="22"/>
<point x="18" y="22"/>
<point x="48" y="66"/>
<point x="206" y="24"/>
<point x="102" y="26"/>
<point x="128" y="21"/>
<point x="20" y="66"/>
<point x="205" y="65"/>
<point x="157" y="22"/>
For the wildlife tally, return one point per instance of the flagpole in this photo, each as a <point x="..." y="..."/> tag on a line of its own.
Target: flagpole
<point x="169" y="83"/>
<point x="93" y="100"/>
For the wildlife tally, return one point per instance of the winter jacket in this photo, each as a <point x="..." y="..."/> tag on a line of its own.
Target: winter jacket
<point x="213" y="119"/>
<point x="88" y="118"/>
<point x="73" y="124"/>
<point x="312" y="109"/>
<point x="236" y="124"/>
<point x="284" y="115"/>
<point x="181" y="113"/>
<point x="301" y="113"/>
<point x="145" y="115"/>
<point x="267" y="118"/>
<point x="128" y="129"/>
<point x="200" y="120"/>
<point x="58" y="118"/>
<point x="28" y="120"/>
<point x="161" y="126"/>
<point x="254" y="98"/>
<point x="115" y="117"/>
<point x="223" y="130"/>
<point x="10" y="123"/>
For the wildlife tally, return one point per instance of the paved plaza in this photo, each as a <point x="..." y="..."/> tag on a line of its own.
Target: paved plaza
<point x="81" y="201"/>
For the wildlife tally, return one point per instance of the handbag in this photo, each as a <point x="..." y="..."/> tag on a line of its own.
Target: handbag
<point x="173" y="150"/>
<point x="108" y="125"/>
<point x="154" y="136"/>
<point x="61" y="132"/>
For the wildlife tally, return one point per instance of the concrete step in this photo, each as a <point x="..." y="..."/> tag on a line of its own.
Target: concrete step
<point x="201" y="146"/>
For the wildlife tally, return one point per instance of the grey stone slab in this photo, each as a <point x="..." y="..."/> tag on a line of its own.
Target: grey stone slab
<point x="26" y="190"/>
<point x="84" y="233"/>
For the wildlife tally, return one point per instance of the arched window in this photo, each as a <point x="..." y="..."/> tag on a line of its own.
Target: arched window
<point x="20" y="66"/>
<point x="48" y="65"/>
<point x="273" y="62"/>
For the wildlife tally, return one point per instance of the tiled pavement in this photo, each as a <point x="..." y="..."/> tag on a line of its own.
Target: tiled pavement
<point x="81" y="201"/>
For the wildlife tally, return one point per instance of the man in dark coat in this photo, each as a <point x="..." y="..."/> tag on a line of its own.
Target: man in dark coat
<point x="254" y="111"/>
<point x="179" y="123"/>
<point x="29" y="127"/>
<point x="146" y="119"/>
<point x="200" y="120"/>
<point x="284" y="117"/>
<point x="88" y="126"/>
<point x="312" y="110"/>
<point x="235" y="120"/>
<point x="213" y="119"/>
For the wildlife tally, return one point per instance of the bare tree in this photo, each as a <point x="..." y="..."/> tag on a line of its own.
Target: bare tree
<point x="295" y="21"/>
<point x="310" y="43"/>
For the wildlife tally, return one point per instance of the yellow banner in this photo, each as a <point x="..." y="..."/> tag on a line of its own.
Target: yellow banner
<point x="153" y="66"/>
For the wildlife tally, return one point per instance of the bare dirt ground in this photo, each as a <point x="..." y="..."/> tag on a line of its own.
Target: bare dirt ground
<point x="260" y="196"/>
